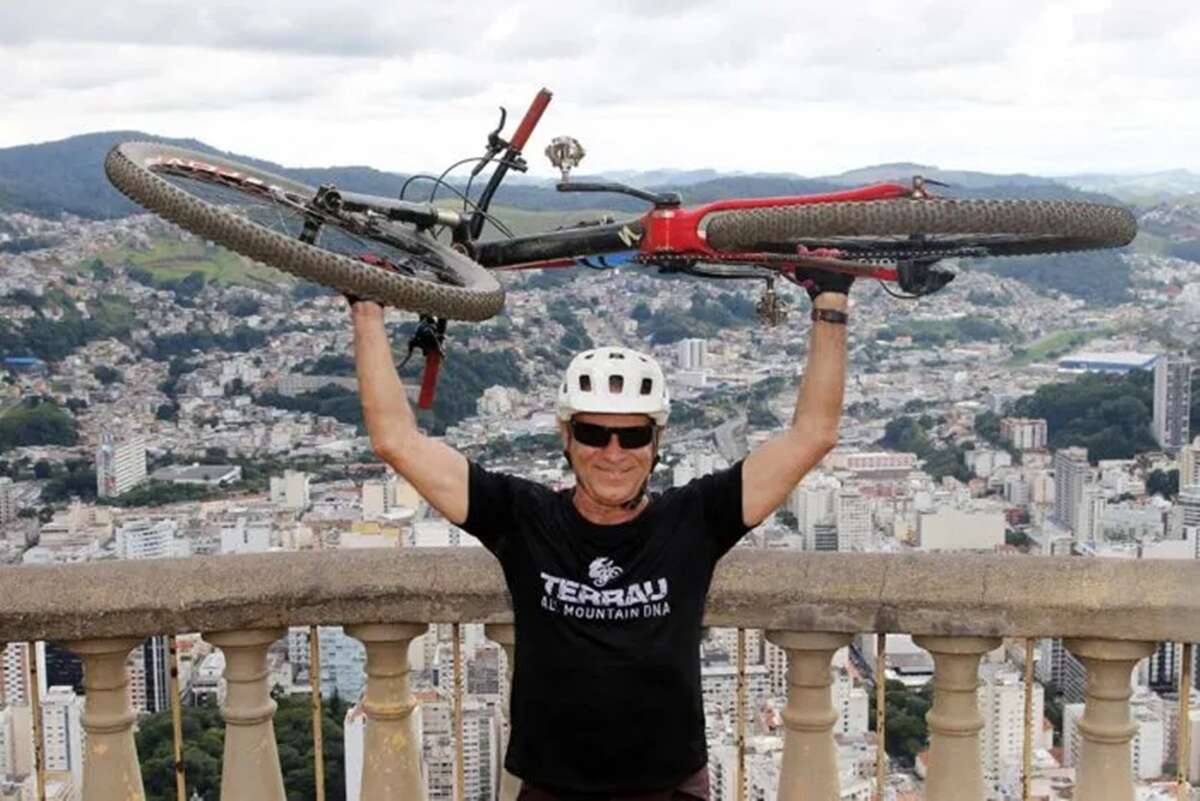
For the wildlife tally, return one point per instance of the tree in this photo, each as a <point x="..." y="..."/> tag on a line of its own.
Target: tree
<point x="168" y="412"/>
<point x="42" y="469"/>
<point x="107" y="375"/>
<point x="1164" y="483"/>
<point x="788" y="519"/>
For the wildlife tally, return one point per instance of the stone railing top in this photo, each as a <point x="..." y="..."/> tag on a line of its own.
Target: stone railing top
<point x="950" y="594"/>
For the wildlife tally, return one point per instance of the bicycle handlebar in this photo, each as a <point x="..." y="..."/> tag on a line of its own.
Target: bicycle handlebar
<point x="521" y="136"/>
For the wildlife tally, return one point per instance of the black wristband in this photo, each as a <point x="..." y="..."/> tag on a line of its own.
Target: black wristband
<point x="829" y="316"/>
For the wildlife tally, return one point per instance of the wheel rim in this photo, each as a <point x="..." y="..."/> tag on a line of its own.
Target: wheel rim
<point x="284" y="207"/>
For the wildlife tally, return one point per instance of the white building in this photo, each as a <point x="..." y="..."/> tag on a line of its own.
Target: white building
<point x="1186" y="514"/>
<point x="1172" y="401"/>
<point x="1089" y="517"/>
<point x="874" y="461"/>
<point x="1001" y="697"/>
<point x="693" y="354"/>
<point x="8" y="501"/>
<point x="120" y="466"/>
<point x="985" y="461"/>
<point x="950" y="529"/>
<point x="494" y="402"/>
<point x="1026" y="434"/>
<point x="718" y="683"/>
<point x="851" y="704"/>
<point x="150" y="539"/>
<point x="481" y="749"/>
<point x="290" y="491"/>
<point x="8" y="745"/>
<point x="853" y="517"/>
<point x="343" y="660"/>
<point x="14" y="675"/>
<point x="1189" y="463"/>
<point x="1071" y="470"/>
<point x="374" y="500"/>
<point x="1017" y="490"/>
<point x="244" y="536"/>
<point x="62" y="732"/>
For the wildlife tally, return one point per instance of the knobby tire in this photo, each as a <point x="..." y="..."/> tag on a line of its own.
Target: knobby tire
<point x="874" y="228"/>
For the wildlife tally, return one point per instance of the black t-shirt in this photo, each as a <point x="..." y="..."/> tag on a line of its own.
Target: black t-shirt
<point x="606" y="685"/>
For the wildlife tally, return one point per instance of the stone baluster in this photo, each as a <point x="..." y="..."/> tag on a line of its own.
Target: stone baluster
<point x="1104" y="772"/>
<point x="955" y="766"/>
<point x="250" y="769"/>
<point x="505" y="635"/>
<point x="810" y="769"/>
<point x="110" y="764"/>
<point x="391" y="751"/>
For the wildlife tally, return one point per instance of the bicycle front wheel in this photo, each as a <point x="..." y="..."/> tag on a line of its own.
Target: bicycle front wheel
<point x="927" y="227"/>
<point x="263" y="217"/>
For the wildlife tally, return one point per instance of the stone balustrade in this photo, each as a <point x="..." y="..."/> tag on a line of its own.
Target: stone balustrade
<point x="1109" y="612"/>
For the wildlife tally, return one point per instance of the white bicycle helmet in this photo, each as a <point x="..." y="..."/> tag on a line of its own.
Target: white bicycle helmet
<point x="614" y="381"/>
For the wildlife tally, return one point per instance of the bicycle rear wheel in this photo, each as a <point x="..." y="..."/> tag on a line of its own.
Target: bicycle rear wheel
<point x="262" y="216"/>
<point x="928" y="227"/>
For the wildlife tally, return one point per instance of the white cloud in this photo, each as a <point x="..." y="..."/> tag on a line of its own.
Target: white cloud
<point x="1007" y="86"/>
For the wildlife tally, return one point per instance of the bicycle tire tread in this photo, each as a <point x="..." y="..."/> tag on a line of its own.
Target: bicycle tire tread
<point x="1064" y="225"/>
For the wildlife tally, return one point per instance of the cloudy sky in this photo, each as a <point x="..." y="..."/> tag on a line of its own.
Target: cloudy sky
<point x="809" y="87"/>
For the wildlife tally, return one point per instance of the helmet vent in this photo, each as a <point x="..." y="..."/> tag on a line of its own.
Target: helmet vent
<point x="616" y="383"/>
<point x="587" y="356"/>
<point x="585" y="383"/>
<point x="616" y="355"/>
<point x="647" y="386"/>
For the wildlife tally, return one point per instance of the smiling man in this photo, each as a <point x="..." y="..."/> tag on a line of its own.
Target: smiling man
<point x="608" y="583"/>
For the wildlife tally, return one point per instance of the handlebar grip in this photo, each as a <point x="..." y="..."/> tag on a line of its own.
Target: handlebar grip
<point x="429" y="377"/>
<point x="531" y="119"/>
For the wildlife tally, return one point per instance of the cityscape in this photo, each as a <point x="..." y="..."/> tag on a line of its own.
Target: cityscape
<point x="159" y="414"/>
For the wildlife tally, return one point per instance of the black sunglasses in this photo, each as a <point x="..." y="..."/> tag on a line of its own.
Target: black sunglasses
<point x="598" y="436"/>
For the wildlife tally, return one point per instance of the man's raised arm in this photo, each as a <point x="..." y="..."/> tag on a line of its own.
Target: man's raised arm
<point x="773" y="469"/>
<point x="436" y="471"/>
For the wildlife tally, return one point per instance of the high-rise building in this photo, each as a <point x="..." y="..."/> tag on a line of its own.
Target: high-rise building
<point x="1027" y="434"/>
<point x="14" y="674"/>
<point x="824" y="536"/>
<point x="374" y="499"/>
<point x="1186" y="514"/>
<point x="150" y="539"/>
<point x="1001" y="697"/>
<point x="481" y="749"/>
<point x="1172" y="401"/>
<point x="853" y="513"/>
<point x="120" y="466"/>
<point x="1070" y="474"/>
<point x="62" y="732"/>
<point x="1189" y="463"/>
<point x="343" y="660"/>
<point x="693" y="354"/>
<point x="1058" y="666"/>
<point x="148" y="671"/>
<point x="295" y="489"/>
<point x="8" y="501"/>
<point x="1089" y="515"/>
<point x="8" y="749"/>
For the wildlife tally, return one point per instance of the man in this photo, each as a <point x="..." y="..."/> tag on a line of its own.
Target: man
<point x="608" y="583"/>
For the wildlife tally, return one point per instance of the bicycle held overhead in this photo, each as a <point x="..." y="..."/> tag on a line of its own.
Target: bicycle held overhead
<point x="389" y="249"/>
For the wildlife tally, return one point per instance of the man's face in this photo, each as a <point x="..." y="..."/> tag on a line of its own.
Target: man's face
<point x="610" y="474"/>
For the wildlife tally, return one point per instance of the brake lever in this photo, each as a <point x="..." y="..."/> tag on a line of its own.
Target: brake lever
<point x="495" y="144"/>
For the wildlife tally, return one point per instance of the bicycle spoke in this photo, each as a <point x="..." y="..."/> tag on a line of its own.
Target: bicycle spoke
<point x="351" y="235"/>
